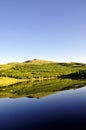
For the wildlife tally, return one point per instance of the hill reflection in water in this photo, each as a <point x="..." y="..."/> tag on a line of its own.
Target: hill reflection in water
<point x="39" y="89"/>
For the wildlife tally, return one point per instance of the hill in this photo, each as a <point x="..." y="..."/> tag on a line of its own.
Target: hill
<point x="38" y="61"/>
<point x="37" y="70"/>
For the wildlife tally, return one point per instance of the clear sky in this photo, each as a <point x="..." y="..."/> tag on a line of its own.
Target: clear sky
<point x="43" y="29"/>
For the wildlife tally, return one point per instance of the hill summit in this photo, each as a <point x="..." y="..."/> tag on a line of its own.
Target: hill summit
<point x="38" y="61"/>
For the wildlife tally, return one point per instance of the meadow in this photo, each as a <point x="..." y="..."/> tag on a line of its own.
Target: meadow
<point x="12" y="73"/>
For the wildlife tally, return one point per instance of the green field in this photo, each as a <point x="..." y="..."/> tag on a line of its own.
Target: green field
<point x="12" y="73"/>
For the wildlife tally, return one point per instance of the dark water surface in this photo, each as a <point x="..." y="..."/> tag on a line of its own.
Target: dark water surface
<point x="66" y="109"/>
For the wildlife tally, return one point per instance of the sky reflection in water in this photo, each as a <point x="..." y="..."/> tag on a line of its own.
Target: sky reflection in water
<point x="61" y="110"/>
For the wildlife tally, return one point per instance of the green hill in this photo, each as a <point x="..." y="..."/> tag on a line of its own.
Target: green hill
<point x="38" y="61"/>
<point x="37" y="70"/>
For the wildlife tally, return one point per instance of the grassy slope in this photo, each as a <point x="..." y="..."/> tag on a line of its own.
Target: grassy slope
<point x="36" y="70"/>
<point x="5" y="81"/>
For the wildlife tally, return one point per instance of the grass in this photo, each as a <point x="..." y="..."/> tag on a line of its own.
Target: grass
<point x="37" y="70"/>
<point x="39" y="61"/>
<point x="5" y="81"/>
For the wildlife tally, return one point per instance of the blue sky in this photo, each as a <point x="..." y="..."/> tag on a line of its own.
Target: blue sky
<point x="43" y="29"/>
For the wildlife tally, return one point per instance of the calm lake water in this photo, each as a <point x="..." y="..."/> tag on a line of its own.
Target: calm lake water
<point x="65" y="109"/>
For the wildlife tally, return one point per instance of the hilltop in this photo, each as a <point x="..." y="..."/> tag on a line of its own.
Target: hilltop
<point x="38" y="69"/>
<point x="38" y="61"/>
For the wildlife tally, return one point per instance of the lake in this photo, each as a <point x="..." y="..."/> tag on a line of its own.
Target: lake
<point x="63" y="109"/>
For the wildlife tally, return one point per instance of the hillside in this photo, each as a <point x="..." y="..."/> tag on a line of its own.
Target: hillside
<point x="37" y="70"/>
<point x="38" y="61"/>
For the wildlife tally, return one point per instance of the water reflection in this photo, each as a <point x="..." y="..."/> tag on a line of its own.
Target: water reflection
<point x="66" y="109"/>
<point x="39" y="89"/>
